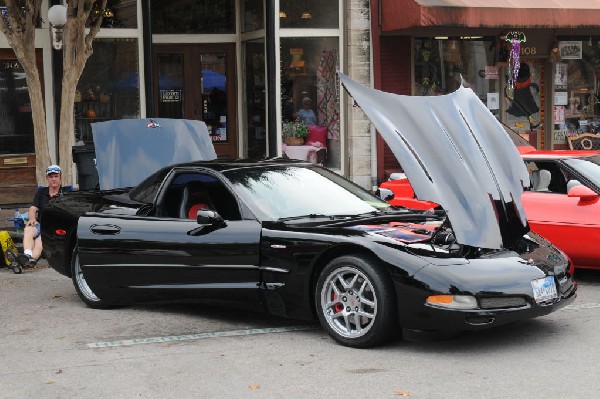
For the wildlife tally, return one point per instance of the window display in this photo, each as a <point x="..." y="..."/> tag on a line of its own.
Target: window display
<point x="108" y="87"/>
<point x="16" y="122"/>
<point x="309" y="90"/>
<point x="116" y="14"/>
<point x="309" y="14"/>
<point x="486" y="65"/>
<point x="576" y="89"/>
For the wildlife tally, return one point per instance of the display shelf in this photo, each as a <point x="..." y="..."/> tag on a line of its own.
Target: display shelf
<point x="87" y="112"/>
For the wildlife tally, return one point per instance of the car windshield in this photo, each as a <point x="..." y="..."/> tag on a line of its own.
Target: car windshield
<point x="588" y="167"/>
<point x="291" y="191"/>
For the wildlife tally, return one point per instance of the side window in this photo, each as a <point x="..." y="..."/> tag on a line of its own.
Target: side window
<point x="187" y="193"/>
<point x="547" y="176"/>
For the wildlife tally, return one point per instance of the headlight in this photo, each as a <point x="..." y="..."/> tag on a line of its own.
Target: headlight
<point x="452" y="301"/>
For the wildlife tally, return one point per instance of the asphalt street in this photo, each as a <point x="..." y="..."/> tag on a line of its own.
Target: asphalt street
<point x="53" y="346"/>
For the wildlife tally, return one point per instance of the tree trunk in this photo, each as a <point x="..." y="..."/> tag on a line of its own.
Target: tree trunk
<point x="19" y="28"/>
<point x="76" y="51"/>
<point x="38" y="112"/>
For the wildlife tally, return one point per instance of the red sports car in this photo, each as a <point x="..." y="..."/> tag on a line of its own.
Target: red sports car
<point x="563" y="203"/>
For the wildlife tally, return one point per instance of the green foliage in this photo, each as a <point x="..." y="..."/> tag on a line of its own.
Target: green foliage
<point x="294" y="129"/>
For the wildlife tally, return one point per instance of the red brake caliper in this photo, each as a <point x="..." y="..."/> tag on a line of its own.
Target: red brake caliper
<point x="338" y="306"/>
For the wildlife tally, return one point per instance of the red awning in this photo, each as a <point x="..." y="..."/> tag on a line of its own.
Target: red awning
<point x="406" y="14"/>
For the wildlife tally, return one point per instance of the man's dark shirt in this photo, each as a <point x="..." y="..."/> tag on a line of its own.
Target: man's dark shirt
<point x="42" y="198"/>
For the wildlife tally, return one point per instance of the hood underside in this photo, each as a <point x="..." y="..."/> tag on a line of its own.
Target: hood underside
<point x="129" y="150"/>
<point x="455" y="153"/>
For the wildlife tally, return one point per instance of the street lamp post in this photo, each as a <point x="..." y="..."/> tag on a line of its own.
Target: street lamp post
<point x="57" y="15"/>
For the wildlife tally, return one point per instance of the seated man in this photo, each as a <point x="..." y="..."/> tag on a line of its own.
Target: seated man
<point x="32" y="241"/>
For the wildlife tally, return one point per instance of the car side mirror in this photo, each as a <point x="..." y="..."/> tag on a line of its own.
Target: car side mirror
<point x="385" y="194"/>
<point x="209" y="217"/>
<point x="583" y="193"/>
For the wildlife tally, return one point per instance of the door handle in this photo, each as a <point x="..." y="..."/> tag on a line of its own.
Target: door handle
<point x="105" y="229"/>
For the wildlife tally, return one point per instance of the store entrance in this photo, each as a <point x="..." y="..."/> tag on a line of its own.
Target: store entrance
<point x="197" y="81"/>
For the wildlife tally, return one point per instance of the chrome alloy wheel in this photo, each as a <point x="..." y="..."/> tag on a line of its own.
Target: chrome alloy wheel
<point x="349" y="302"/>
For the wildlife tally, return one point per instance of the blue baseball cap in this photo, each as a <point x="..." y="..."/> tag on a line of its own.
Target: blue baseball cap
<point x="53" y="169"/>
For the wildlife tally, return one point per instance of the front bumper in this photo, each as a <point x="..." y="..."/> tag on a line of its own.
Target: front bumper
<point x="415" y="314"/>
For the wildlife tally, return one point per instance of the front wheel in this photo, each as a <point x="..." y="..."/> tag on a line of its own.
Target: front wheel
<point x="81" y="286"/>
<point x="355" y="301"/>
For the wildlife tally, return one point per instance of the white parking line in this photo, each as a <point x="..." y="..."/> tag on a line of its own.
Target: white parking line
<point x="189" y="337"/>
<point x="252" y="331"/>
<point x="590" y="305"/>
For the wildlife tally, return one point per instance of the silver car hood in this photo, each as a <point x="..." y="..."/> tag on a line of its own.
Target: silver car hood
<point x="455" y="153"/>
<point x="129" y="150"/>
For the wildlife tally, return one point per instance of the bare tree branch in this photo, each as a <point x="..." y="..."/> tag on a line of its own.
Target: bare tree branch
<point x="97" y="24"/>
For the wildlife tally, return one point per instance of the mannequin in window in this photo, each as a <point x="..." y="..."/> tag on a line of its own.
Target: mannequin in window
<point x="522" y="100"/>
<point x="306" y="114"/>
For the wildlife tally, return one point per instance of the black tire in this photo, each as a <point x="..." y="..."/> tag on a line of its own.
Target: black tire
<point x="83" y="289"/>
<point x="354" y="284"/>
<point x="10" y="255"/>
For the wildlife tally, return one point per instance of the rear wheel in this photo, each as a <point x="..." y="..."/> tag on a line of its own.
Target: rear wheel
<point x="355" y="301"/>
<point x="81" y="286"/>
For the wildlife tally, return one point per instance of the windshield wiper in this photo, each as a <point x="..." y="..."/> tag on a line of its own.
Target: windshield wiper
<point x="308" y="216"/>
<point x="358" y="215"/>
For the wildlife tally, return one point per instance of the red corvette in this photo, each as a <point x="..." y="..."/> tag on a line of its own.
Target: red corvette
<point x="563" y="203"/>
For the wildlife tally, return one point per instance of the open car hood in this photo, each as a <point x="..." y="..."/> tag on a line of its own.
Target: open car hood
<point x="455" y="153"/>
<point x="129" y="150"/>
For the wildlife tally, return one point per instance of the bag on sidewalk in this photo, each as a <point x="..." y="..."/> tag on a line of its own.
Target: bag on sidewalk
<point x="7" y="243"/>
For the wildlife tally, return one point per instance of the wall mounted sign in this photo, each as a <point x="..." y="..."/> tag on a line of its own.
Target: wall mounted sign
<point x="561" y="98"/>
<point x="570" y="49"/>
<point x="170" y="96"/>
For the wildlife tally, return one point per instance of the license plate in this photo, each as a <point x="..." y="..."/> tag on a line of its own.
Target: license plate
<point x="544" y="289"/>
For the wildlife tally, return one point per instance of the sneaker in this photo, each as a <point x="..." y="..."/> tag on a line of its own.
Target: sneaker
<point x="26" y="260"/>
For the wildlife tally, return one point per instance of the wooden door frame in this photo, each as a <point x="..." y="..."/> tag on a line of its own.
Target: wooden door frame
<point x="191" y="53"/>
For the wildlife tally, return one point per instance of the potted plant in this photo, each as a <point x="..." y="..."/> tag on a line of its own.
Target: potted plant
<point x="294" y="133"/>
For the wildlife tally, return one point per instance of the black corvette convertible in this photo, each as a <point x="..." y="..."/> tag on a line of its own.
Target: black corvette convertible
<point x="297" y="240"/>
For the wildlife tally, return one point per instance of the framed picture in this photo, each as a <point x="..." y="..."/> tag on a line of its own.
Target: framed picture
<point x="570" y="50"/>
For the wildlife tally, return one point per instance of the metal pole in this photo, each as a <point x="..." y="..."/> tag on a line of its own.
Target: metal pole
<point x="272" y="70"/>
<point x="148" y="70"/>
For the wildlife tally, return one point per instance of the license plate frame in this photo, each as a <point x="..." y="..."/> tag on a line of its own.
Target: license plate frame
<point x="544" y="289"/>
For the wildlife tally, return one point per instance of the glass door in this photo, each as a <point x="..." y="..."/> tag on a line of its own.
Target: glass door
<point x="198" y="82"/>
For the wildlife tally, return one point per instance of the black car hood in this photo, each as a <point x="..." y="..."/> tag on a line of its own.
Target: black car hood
<point x="455" y="153"/>
<point x="129" y="150"/>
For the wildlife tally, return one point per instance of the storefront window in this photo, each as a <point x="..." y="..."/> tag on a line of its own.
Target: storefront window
<point x="481" y="64"/>
<point x="441" y="64"/>
<point x="576" y="88"/>
<point x="117" y="14"/>
<point x="197" y="16"/>
<point x="253" y="15"/>
<point x="109" y="85"/>
<point x="309" y="95"/>
<point x="16" y="123"/>
<point x="309" y="14"/>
